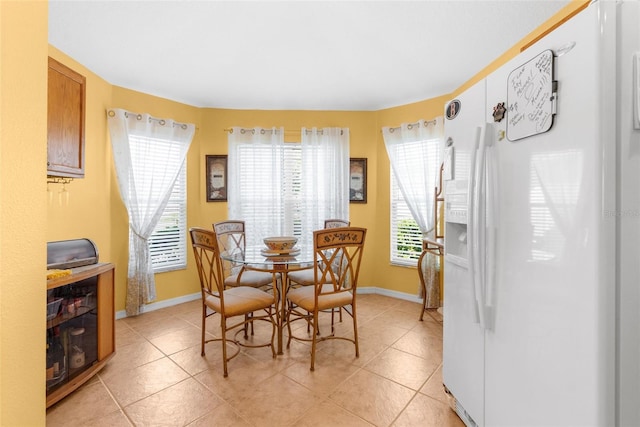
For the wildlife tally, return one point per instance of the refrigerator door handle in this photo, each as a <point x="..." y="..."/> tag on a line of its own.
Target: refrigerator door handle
<point x="488" y="224"/>
<point x="479" y="225"/>
<point x="471" y="223"/>
<point x="492" y="226"/>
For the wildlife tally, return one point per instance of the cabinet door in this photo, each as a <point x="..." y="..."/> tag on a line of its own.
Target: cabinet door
<point x="106" y="315"/>
<point x="65" y="114"/>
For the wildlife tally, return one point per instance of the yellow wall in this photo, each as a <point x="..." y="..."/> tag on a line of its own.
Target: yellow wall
<point x="95" y="210"/>
<point x="23" y="155"/>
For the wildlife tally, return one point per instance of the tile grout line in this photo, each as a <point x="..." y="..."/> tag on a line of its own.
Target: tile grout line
<point x="120" y="407"/>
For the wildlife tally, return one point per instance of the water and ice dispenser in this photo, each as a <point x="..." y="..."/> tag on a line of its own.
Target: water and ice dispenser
<point x="455" y="215"/>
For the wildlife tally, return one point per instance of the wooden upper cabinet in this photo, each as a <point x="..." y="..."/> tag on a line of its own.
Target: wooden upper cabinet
<point x="65" y="121"/>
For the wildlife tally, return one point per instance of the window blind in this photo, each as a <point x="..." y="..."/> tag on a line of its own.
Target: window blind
<point x="267" y="210"/>
<point x="167" y="244"/>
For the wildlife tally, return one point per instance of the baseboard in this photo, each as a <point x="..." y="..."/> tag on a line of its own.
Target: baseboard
<point x="186" y="298"/>
<point x="162" y="304"/>
<point x="390" y="293"/>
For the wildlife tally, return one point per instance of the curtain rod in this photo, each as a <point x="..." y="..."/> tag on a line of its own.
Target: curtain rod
<point x="138" y="116"/>
<point x="425" y="123"/>
<point x="262" y="131"/>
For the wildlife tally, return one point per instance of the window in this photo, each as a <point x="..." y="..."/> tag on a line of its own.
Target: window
<point x="417" y="159"/>
<point x="406" y="237"/>
<point x="167" y="244"/>
<point x="262" y="203"/>
<point x="287" y="188"/>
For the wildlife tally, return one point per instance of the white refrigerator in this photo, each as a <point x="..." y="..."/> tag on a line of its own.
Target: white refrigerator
<point x="542" y="231"/>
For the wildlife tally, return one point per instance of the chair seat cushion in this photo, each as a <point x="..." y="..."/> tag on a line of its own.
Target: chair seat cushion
<point x="302" y="277"/>
<point x="304" y="298"/>
<point x="241" y="300"/>
<point x="251" y="278"/>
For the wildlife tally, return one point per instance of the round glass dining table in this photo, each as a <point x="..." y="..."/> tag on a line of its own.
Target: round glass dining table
<point x="279" y="264"/>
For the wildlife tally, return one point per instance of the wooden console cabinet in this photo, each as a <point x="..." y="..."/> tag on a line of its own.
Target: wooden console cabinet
<point x="80" y="327"/>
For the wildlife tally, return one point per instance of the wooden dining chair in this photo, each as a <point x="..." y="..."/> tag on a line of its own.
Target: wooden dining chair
<point x="332" y="288"/>
<point x="237" y="306"/>
<point x="231" y="237"/>
<point x="305" y="277"/>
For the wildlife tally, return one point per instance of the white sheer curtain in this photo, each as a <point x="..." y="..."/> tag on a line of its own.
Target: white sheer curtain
<point x="255" y="168"/>
<point x="325" y="178"/>
<point x="415" y="153"/>
<point x="145" y="187"/>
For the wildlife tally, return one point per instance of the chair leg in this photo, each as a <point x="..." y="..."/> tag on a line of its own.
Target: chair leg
<point x="246" y="325"/>
<point x="288" y="320"/>
<point x="355" y="329"/>
<point x="204" y="323"/>
<point x="224" y="345"/>
<point x="273" y="332"/>
<point x="424" y="303"/>
<point x="318" y="329"/>
<point x="333" y="310"/>
<point x="423" y="284"/>
<point x="313" y="342"/>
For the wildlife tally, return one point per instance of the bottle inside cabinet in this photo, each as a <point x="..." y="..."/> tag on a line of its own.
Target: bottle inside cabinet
<point x="56" y="358"/>
<point x="72" y="331"/>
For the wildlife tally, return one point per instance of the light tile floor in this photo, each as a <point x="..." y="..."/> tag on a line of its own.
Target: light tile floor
<point x="158" y="378"/>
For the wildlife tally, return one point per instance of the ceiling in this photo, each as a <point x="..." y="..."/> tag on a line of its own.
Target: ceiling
<point x="292" y="55"/>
